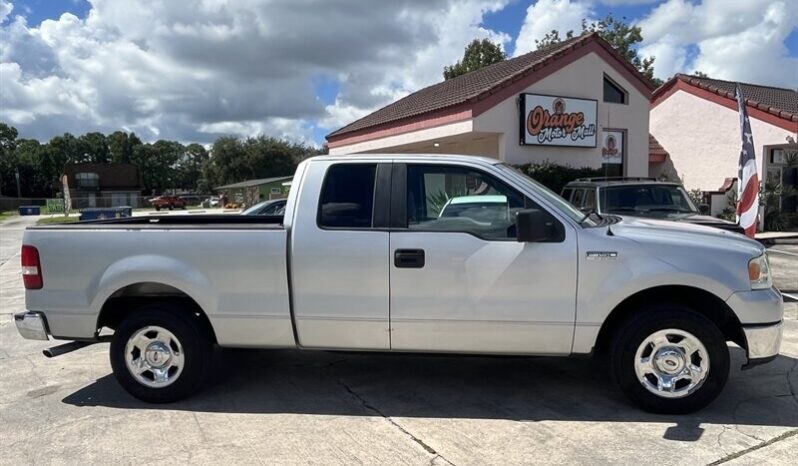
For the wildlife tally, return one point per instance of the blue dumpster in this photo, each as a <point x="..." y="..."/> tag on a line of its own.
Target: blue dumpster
<point x="30" y="210"/>
<point x="104" y="213"/>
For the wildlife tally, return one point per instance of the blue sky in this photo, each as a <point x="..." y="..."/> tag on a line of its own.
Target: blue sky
<point x="153" y="67"/>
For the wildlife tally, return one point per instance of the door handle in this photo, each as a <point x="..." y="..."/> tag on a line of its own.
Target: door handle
<point x="408" y="258"/>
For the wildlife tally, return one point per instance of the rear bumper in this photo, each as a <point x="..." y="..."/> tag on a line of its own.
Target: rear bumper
<point x="31" y="325"/>
<point x="763" y="342"/>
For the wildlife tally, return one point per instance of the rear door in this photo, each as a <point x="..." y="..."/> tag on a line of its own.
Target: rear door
<point x="460" y="281"/>
<point x="339" y="256"/>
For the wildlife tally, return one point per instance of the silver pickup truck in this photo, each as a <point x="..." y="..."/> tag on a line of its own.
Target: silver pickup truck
<point x="366" y="259"/>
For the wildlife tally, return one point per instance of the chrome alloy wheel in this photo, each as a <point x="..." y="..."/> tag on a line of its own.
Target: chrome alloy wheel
<point x="671" y="363"/>
<point x="154" y="356"/>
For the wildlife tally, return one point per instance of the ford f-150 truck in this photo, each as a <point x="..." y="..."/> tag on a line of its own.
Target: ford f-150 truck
<point x="363" y="260"/>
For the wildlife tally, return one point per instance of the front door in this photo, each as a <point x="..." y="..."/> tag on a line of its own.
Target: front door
<point x="339" y="257"/>
<point x="461" y="282"/>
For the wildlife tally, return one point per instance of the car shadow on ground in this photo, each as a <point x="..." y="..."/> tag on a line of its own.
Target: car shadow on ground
<point x="522" y="389"/>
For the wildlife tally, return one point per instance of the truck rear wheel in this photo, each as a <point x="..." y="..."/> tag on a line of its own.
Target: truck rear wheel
<point x="160" y="354"/>
<point x="670" y="360"/>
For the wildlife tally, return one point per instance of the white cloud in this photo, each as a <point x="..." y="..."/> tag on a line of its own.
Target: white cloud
<point x="5" y="9"/>
<point x="739" y="40"/>
<point x="193" y="69"/>
<point x="546" y="15"/>
<point x="627" y="2"/>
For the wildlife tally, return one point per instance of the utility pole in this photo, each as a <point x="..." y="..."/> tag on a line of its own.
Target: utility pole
<point x="16" y="175"/>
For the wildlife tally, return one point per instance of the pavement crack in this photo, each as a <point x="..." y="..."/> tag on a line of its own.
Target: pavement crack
<point x="377" y="411"/>
<point x="740" y="453"/>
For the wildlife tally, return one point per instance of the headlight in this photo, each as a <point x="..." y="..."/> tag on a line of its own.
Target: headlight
<point x="759" y="272"/>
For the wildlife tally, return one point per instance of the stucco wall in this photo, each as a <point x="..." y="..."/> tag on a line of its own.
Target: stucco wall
<point x="583" y="78"/>
<point x="703" y="139"/>
<point x="389" y="143"/>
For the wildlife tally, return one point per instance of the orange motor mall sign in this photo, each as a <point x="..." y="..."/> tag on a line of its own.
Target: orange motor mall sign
<point x="557" y="121"/>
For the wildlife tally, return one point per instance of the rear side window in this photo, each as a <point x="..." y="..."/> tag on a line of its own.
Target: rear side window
<point x="347" y="198"/>
<point x="566" y="194"/>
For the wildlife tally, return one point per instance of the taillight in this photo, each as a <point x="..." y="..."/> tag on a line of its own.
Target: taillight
<point x="31" y="268"/>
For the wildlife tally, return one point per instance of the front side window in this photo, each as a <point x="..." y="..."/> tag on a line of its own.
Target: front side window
<point x="444" y="198"/>
<point x="347" y="198"/>
<point x="589" y="201"/>
<point x="577" y="200"/>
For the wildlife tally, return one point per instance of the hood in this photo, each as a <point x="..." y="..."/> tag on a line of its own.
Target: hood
<point x="688" y="234"/>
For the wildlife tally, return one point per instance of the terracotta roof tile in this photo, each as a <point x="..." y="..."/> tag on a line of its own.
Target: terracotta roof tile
<point x="654" y="147"/>
<point x="774" y="100"/>
<point x="468" y="87"/>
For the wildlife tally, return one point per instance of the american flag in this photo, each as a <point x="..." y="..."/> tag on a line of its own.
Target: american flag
<point x="748" y="181"/>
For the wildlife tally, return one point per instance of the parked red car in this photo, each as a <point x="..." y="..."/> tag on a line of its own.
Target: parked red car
<point x="167" y="202"/>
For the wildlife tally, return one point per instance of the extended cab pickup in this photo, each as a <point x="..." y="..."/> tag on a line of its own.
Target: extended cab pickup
<point x="363" y="259"/>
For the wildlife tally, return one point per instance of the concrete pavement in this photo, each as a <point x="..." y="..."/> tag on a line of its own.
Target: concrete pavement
<point x="289" y="407"/>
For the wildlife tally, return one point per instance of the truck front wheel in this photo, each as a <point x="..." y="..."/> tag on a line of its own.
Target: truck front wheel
<point x="670" y="360"/>
<point x="159" y="354"/>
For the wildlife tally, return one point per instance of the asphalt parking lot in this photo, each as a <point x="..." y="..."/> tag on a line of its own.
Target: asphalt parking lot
<point x="289" y="407"/>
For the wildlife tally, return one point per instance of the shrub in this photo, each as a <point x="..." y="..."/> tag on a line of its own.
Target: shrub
<point x="555" y="177"/>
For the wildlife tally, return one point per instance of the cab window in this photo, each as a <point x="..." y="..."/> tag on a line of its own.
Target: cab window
<point x="347" y="198"/>
<point x="448" y="198"/>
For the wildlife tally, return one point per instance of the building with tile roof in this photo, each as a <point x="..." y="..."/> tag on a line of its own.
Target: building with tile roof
<point x="696" y="120"/>
<point x="561" y="104"/>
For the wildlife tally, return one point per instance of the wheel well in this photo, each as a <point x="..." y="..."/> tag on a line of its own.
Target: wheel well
<point x="701" y="301"/>
<point x="126" y="300"/>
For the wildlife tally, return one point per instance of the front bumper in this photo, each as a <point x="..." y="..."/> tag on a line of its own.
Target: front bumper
<point x="763" y="342"/>
<point x="31" y="325"/>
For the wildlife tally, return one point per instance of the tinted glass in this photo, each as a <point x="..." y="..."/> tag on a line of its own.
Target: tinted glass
<point x="556" y="201"/>
<point x="441" y="198"/>
<point x="577" y="200"/>
<point x="590" y="199"/>
<point x="613" y="93"/>
<point x="566" y="194"/>
<point x="347" y="199"/>
<point x="639" y="200"/>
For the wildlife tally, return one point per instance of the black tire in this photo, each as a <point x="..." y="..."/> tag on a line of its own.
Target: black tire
<point x="171" y="206"/>
<point x="157" y="208"/>
<point x="192" y="335"/>
<point x="649" y="320"/>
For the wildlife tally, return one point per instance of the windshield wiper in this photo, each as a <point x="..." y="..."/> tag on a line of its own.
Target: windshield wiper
<point x="624" y="209"/>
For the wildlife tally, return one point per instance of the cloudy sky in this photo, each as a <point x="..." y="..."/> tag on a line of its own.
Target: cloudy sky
<point x="192" y="70"/>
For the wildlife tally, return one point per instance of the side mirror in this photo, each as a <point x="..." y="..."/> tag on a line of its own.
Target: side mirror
<point x="703" y="209"/>
<point x="537" y="226"/>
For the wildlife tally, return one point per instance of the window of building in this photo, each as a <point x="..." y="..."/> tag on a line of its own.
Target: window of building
<point x="444" y="198"/>
<point x="613" y="93"/>
<point x="347" y="199"/>
<point x="87" y="180"/>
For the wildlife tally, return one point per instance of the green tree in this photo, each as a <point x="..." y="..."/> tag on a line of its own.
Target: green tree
<point x="121" y="146"/>
<point x="95" y="148"/>
<point x="700" y="74"/>
<point x="620" y="35"/>
<point x="478" y="53"/>
<point x="189" y="167"/>
<point x="28" y="156"/>
<point x="8" y="163"/>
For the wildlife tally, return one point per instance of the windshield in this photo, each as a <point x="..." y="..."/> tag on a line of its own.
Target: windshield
<point x="559" y="203"/>
<point x="646" y="199"/>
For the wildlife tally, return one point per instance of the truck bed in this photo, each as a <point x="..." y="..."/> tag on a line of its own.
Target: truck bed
<point x="233" y="266"/>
